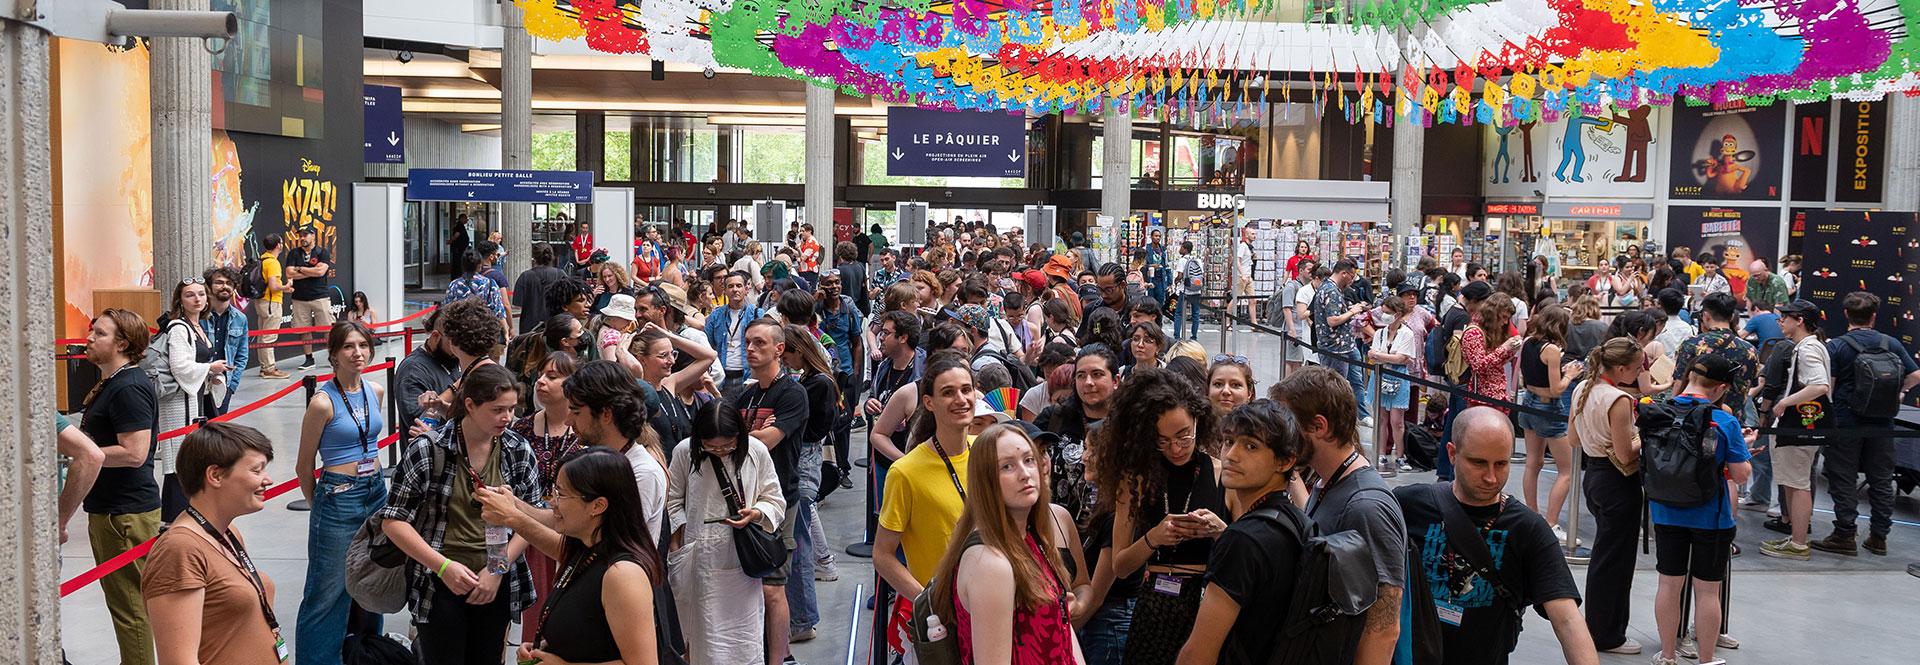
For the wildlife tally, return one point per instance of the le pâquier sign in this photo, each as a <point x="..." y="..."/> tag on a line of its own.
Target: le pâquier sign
<point x="929" y="142"/>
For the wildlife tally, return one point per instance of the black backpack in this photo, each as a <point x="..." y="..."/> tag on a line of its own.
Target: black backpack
<point x="1677" y="462"/>
<point x="1023" y="378"/>
<point x="253" y="280"/>
<point x="1877" y="378"/>
<point x="1333" y="588"/>
<point x="375" y="650"/>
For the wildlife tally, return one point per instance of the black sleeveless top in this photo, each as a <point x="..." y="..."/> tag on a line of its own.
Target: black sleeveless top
<point x="1189" y="488"/>
<point x="574" y="624"/>
<point x="1533" y="370"/>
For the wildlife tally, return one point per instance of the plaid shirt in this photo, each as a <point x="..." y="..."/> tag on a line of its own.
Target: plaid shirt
<point x="1723" y="342"/>
<point x="477" y="286"/>
<point x="419" y="497"/>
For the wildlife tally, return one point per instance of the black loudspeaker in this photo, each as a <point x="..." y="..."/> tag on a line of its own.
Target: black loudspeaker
<point x="659" y="70"/>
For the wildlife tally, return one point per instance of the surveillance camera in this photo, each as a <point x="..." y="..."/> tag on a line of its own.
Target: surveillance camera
<point x="404" y="57"/>
<point x="708" y="72"/>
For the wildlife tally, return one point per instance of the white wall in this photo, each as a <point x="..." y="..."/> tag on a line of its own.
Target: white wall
<point x="463" y="23"/>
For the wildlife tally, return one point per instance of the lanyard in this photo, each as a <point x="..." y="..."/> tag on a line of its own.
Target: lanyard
<point x="1346" y="470"/>
<point x="245" y="564"/>
<point x="951" y="475"/>
<point x="366" y="406"/>
<point x="559" y="591"/>
<point x="466" y="463"/>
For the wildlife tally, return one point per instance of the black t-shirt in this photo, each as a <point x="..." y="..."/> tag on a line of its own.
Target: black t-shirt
<point x="309" y="288"/>
<point x="125" y="403"/>
<point x="1517" y="537"/>
<point x="823" y="406"/>
<point x="785" y="402"/>
<point x="1254" y="562"/>
<point x="1099" y="536"/>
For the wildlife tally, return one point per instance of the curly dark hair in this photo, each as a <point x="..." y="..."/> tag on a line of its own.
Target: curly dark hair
<point x="560" y="293"/>
<point x="602" y="385"/>
<point x="1130" y="457"/>
<point x="470" y="325"/>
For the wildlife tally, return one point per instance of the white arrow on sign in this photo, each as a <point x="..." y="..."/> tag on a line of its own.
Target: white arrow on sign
<point x="898" y="155"/>
<point x="393" y="139"/>
<point x="1013" y="156"/>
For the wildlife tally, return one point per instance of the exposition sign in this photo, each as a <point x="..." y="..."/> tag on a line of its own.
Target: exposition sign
<point x="385" y="141"/>
<point x="928" y="142"/>
<point x="1863" y="148"/>
<point x="500" y="186"/>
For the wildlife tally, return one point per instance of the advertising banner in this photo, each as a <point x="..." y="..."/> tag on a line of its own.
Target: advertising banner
<point x="1863" y="152"/>
<point x="1872" y="251"/>
<point x="1811" y="173"/>
<point x="1727" y="151"/>
<point x="930" y="142"/>
<point x="1736" y="235"/>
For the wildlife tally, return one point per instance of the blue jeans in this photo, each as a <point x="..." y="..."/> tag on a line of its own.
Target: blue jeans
<point x="1187" y="307"/>
<point x="801" y="604"/>
<point x="1760" y="484"/>
<point x="1104" y="639"/>
<point x="1348" y="365"/>
<point x="341" y="503"/>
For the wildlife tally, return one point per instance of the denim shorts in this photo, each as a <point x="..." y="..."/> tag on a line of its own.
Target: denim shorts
<point x="1551" y="428"/>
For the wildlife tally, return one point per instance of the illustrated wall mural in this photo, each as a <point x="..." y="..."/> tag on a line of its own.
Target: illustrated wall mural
<point x="1604" y="154"/>
<point x="263" y="183"/>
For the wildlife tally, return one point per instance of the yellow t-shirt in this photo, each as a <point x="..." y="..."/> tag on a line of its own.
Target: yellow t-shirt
<point x="921" y="504"/>
<point x="269" y="271"/>
<point x="1694" y="272"/>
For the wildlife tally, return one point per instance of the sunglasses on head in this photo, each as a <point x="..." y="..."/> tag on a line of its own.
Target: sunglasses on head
<point x="1225" y="358"/>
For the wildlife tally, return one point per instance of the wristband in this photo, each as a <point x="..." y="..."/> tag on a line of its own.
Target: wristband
<point x="443" y="568"/>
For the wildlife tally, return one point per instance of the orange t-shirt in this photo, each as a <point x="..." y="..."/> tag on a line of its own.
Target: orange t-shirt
<point x="232" y="627"/>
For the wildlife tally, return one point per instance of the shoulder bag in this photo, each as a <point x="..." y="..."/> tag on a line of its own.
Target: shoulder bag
<point x="761" y="553"/>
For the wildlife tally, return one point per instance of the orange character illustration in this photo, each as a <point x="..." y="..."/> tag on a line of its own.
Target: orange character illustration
<point x="1723" y="173"/>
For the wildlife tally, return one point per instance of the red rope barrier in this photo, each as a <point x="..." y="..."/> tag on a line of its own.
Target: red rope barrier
<point x="257" y="404"/>
<point x="288" y="331"/>
<point x="108" y="567"/>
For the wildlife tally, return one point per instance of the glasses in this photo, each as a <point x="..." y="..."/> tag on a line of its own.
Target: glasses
<point x="669" y="354"/>
<point x="191" y="280"/>
<point x="1226" y="358"/>
<point x="555" y="494"/>
<point x="1187" y="439"/>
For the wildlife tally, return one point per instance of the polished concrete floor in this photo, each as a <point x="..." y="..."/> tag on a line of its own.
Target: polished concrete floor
<point x="1833" y="609"/>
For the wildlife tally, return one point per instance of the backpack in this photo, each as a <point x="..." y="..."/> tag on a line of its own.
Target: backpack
<point x="155" y="362"/>
<point x="1333" y="588"/>
<point x="1877" y="378"/>
<point x="926" y="649"/>
<point x="1677" y="462"/>
<point x="1443" y="351"/>
<point x="253" y="279"/>
<point x="1023" y="378"/>
<point x="376" y="568"/>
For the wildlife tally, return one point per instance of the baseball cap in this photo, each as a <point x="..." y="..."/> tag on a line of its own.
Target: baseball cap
<point x="1406" y="287"/>
<point x="1033" y="278"/>
<point x="1476" y="291"/>
<point x="1714" y="366"/>
<point x="1801" y="309"/>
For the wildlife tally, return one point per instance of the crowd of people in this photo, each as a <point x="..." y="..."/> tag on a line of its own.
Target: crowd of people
<point x="631" y="469"/>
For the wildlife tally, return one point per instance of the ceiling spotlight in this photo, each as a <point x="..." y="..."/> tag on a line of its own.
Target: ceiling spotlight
<point x="404" y="57"/>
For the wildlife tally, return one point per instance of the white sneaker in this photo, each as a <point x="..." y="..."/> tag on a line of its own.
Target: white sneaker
<point x="1629" y="647"/>
<point x="1774" y="511"/>
<point x="1366" y="422"/>
<point x="1404" y="466"/>
<point x="1561" y="533"/>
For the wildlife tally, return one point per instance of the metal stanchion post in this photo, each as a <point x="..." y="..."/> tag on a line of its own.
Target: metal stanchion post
<point x="1576" y="554"/>
<point x="1378" y="416"/>
<point x="310" y="386"/>
<point x="393" y="416"/>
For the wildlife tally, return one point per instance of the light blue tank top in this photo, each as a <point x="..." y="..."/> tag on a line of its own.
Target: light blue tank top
<point x="342" y="441"/>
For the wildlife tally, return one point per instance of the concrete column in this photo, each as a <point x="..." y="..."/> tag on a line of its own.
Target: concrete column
<point x="30" y="601"/>
<point x="1116" y="164"/>
<point x="1903" y="153"/>
<point x="1409" y="146"/>
<point x="516" y="133"/>
<point x="182" y="150"/>
<point x="819" y="190"/>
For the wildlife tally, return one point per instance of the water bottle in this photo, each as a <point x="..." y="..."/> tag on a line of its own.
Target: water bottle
<point x="497" y="548"/>
<point x="936" y="632"/>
